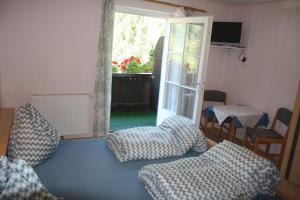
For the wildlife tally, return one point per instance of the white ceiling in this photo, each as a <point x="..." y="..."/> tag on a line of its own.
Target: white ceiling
<point x="239" y="2"/>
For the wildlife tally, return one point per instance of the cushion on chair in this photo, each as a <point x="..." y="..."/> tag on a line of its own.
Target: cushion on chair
<point x="259" y="132"/>
<point x="32" y="137"/>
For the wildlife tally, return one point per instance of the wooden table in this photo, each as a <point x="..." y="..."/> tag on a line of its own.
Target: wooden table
<point x="6" y="120"/>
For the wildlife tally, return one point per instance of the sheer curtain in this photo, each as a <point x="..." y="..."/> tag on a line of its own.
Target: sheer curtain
<point x="103" y="81"/>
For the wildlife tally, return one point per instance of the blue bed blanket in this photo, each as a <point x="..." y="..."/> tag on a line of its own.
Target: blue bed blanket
<point x="87" y="170"/>
<point x="226" y="171"/>
<point x="174" y="137"/>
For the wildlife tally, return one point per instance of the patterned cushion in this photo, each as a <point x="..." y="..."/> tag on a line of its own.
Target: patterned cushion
<point x="32" y="137"/>
<point x="18" y="181"/>
<point x="226" y="171"/>
<point x="174" y="137"/>
<point x="260" y="132"/>
<point x="257" y="173"/>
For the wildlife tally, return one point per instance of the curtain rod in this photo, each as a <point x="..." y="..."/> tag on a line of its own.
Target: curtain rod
<point x="178" y="6"/>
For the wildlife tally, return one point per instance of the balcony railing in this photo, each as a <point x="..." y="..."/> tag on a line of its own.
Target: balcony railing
<point x="132" y="92"/>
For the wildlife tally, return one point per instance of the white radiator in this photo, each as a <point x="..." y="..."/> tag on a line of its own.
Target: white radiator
<point x="69" y="114"/>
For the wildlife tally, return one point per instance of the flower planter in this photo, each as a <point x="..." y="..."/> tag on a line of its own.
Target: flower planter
<point x="131" y="92"/>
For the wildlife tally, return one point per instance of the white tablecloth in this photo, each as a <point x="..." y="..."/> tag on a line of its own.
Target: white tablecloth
<point x="247" y="116"/>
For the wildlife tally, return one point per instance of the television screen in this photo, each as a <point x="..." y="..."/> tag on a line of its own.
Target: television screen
<point x="226" y="32"/>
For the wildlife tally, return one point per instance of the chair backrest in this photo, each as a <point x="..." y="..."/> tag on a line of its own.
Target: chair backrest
<point x="283" y="115"/>
<point x="215" y="96"/>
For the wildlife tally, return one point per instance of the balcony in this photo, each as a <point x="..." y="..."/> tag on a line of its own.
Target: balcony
<point x="134" y="100"/>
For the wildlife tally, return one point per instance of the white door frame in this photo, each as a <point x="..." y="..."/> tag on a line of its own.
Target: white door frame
<point x="207" y="20"/>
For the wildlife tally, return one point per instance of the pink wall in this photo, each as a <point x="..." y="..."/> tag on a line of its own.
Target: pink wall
<point x="216" y="58"/>
<point x="49" y="47"/>
<point x="269" y="78"/>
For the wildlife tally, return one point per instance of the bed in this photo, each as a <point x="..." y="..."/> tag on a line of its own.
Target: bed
<point x="87" y="169"/>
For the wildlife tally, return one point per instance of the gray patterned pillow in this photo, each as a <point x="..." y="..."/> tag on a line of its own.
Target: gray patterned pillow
<point x="18" y="181"/>
<point x="32" y="137"/>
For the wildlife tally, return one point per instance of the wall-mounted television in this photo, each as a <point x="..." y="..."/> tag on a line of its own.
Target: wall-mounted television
<point x="226" y="33"/>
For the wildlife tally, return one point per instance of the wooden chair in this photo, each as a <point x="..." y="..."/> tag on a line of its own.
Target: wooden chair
<point x="228" y="126"/>
<point x="213" y="96"/>
<point x="260" y="136"/>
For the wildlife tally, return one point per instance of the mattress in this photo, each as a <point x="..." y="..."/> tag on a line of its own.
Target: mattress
<point x="87" y="169"/>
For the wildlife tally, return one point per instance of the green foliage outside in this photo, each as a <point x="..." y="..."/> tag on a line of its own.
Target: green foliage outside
<point x="135" y="36"/>
<point x="114" y="69"/>
<point x="135" y="67"/>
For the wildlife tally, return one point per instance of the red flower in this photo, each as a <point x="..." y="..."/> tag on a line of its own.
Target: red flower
<point x="115" y="63"/>
<point x="123" y="67"/>
<point x="125" y="61"/>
